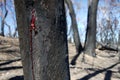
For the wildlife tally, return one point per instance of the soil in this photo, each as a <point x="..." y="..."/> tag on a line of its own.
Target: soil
<point x="104" y="66"/>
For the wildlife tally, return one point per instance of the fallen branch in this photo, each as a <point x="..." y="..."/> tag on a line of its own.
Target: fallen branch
<point x="108" y="47"/>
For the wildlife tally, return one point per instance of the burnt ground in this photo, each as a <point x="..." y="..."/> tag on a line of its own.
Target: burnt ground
<point x="104" y="67"/>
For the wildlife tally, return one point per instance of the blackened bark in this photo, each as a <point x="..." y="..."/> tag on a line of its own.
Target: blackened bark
<point x="91" y="28"/>
<point x="50" y="48"/>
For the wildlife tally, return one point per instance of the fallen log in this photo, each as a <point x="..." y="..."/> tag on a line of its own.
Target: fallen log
<point x="108" y="47"/>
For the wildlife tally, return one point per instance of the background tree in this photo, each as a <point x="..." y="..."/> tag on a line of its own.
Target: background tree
<point x="50" y="53"/>
<point x="74" y="28"/>
<point x="90" y="41"/>
<point x="8" y="18"/>
<point x="3" y="7"/>
<point x="108" y="25"/>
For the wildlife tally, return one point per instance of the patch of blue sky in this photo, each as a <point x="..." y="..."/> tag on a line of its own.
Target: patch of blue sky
<point x="11" y="18"/>
<point x="80" y="7"/>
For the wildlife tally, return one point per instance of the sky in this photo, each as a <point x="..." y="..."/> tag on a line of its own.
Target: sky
<point x="81" y="17"/>
<point x="11" y="17"/>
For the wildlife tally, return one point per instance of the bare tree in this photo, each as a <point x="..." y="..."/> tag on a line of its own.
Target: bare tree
<point x="108" y="26"/>
<point x="4" y="13"/>
<point x="15" y="33"/>
<point x="9" y="28"/>
<point x="74" y="27"/>
<point x="3" y="17"/>
<point x="43" y="43"/>
<point x="90" y="41"/>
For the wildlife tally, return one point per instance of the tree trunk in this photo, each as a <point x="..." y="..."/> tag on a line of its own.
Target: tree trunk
<point x="76" y="36"/>
<point x="91" y="28"/>
<point x="49" y="44"/>
<point x="23" y="31"/>
<point x="15" y="33"/>
<point x="2" y="28"/>
<point x="3" y="17"/>
<point x="10" y="34"/>
<point x="74" y="26"/>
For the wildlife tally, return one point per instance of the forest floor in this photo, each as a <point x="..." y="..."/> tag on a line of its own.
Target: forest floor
<point x="104" y="67"/>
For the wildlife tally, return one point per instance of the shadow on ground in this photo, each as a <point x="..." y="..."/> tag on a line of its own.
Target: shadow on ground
<point x="107" y="75"/>
<point x="10" y="68"/>
<point x="17" y="78"/>
<point x="73" y="61"/>
<point x="9" y="62"/>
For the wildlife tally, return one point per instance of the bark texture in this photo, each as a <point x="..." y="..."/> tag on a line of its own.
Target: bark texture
<point x="91" y="28"/>
<point x="23" y="31"/>
<point x="50" y="48"/>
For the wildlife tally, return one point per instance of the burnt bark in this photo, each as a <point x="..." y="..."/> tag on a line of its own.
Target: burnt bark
<point x="90" y="41"/>
<point x="50" y="48"/>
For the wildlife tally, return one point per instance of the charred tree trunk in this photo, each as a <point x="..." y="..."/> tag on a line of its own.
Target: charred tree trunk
<point x="49" y="43"/>
<point x="91" y="28"/>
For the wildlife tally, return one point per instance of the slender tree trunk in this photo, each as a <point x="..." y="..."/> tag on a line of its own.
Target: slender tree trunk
<point x="91" y="28"/>
<point x="50" y="49"/>
<point x="2" y="28"/>
<point x="10" y="34"/>
<point x="74" y="26"/>
<point x="15" y="33"/>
